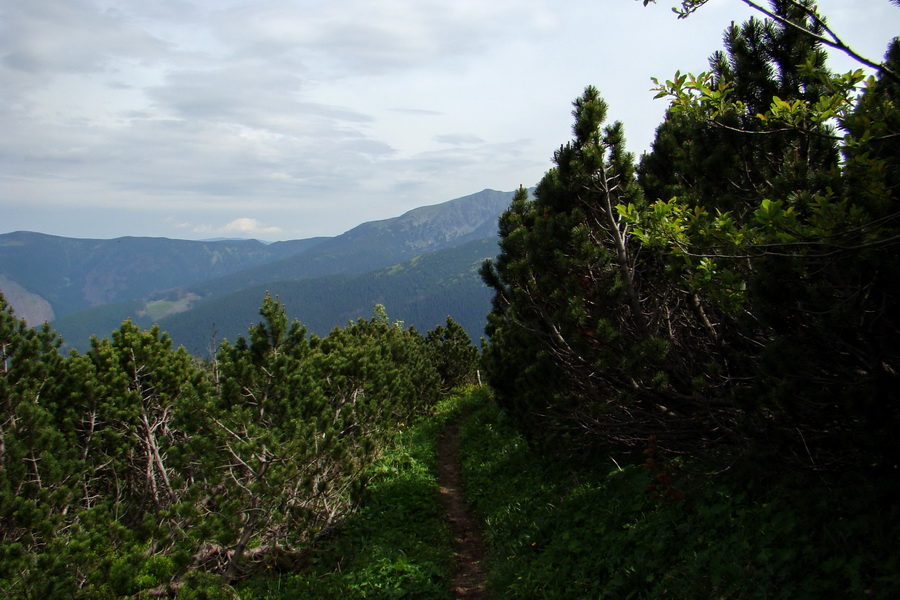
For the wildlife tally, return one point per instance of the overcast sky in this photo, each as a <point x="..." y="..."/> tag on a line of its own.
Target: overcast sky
<point x="286" y="119"/>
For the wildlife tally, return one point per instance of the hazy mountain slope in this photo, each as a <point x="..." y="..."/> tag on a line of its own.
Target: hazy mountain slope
<point x="421" y="292"/>
<point x="30" y="307"/>
<point x="324" y="282"/>
<point x="76" y="329"/>
<point x="74" y="274"/>
<point x="378" y="244"/>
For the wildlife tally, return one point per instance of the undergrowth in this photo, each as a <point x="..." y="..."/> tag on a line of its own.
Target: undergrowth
<point x="557" y="532"/>
<point x="396" y="546"/>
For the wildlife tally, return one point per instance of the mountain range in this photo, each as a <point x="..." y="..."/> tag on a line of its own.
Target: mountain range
<point x="422" y="265"/>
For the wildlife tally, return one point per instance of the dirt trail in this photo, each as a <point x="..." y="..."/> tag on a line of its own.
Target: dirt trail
<point x="469" y="577"/>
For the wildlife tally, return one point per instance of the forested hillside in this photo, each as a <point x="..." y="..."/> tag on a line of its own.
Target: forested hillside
<point x="424" y="291"/>
<point x="72" y="275"/>
<point x="376" y="245"/>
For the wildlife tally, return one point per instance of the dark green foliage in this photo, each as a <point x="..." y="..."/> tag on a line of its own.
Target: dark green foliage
<point x="558" y="531"/>
<point x="396" y="546"/>
<point x="746" y="299"/>
<point x="795" y="272"/>
<point x="725" y="164"/>
<point x="34" y="456"/>
<point x="102" y="439"/>
<point x="131" y="468"/>
<point x="453" y="354"/>
<point x="572" y="346"/>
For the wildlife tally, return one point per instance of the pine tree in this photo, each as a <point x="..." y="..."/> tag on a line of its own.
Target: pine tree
<point x="35" y="489"/>
<point x="295" y="423"/>
<point x="453" y="354"/>
<point x="728" y="161"/>
<point x="745" y="298"/>
<point x="784" y="250"/>
<point x="570" y="338"/>
<point x="266" y="428"/>
<point x="93" y="476"/>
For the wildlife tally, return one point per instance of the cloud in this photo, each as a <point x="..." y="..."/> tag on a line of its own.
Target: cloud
<point x="201" y="105"/>
<point x="235" y="92"/>
<point x="417" y="112"/>
<point x="375" y="37"/>
<point x="242" y="227"/>
<point x="458" y="139"/>
<point x="71" y="36"/>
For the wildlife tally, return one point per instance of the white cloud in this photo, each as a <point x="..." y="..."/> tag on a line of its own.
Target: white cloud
<point x="244" y="227"/>
<point x="70" y="36"/>
<point x="373" y="37"/>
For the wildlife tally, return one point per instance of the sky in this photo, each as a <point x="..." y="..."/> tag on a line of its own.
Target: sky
<point x="289" y="119"/>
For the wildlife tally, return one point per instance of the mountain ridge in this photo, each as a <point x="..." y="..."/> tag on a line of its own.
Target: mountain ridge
<point x="89" y="286"/>
<point x="377" y="244"/>
<point x="73" y="274"/>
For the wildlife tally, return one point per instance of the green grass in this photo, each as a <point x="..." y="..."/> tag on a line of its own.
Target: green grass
<point x="396" y="546"/>
<point x="163" y="308"/>
<point x="558" y="532"/>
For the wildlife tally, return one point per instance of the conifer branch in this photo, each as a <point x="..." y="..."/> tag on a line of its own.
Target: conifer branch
<point x="833" y="41"/>
<point x="690" y="6"/>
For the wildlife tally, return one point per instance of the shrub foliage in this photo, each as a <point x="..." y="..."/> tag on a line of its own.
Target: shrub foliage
<point x="738" y="289"/>
<point x="133" y="468"/>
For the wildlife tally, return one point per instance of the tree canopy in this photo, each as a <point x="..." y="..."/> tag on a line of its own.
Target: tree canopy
<point x="736" y="290"/>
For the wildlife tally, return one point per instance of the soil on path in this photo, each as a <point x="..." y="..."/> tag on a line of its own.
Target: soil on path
<point x="469" y="576"/>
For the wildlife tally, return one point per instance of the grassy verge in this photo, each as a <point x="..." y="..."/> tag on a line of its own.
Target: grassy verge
<point x="597" y="533"/>
<point x="396" y="546"/>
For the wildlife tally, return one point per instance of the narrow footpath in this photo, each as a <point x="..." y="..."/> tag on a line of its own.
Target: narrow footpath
<point x="469" y="577"/>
